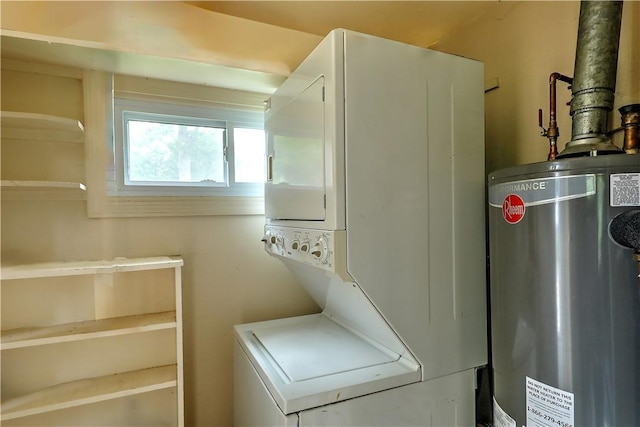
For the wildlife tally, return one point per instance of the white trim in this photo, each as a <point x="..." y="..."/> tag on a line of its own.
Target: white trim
<point x="81" y="268"/>
<point x="148" y="89"/>
<point x="10" y="64"/>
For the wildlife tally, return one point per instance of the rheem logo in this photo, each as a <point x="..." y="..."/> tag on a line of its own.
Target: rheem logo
<point x="513" y="209"/>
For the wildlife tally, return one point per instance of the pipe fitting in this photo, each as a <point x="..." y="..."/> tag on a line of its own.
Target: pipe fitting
<point x="630" y="122"/>
<point x="552" y="132"/>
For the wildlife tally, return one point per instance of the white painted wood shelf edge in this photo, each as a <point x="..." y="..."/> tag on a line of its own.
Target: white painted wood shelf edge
<point x="8" y="185"/>
<point x="33" y="127"/>
<point x="78" y="331"/>
<point x="90" y="390"/>
<point x="76" y="268"/>
<point x="42" y="190"/>
<point x="40" y="127"/>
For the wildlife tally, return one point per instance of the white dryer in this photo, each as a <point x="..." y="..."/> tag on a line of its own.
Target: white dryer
<point x="375" y="202"/>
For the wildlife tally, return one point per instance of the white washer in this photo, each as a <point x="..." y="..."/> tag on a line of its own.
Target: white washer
<point x="312" y="361"/>
<point x="374" y="201"/>
<point x="348" y="373"/>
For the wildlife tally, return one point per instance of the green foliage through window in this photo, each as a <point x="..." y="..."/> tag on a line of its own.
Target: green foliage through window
<point x="165" y="149"/>
<point x="172" y="152"/>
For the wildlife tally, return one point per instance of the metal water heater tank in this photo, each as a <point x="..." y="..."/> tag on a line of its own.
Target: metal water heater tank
<point x="565" y="292"/>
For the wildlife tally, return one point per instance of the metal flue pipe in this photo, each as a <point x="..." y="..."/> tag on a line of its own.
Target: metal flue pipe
<point x="594" y="78"/>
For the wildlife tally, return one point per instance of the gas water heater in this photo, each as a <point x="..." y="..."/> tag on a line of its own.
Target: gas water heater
<point x="564" y="241"/>
<point x="565" y="297"/>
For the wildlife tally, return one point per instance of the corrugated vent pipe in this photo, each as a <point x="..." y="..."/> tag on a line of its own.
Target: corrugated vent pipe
<point x="594" y="79"/>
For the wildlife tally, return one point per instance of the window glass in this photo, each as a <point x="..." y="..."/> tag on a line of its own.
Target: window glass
<point x="174" y="153"/>
<point x="175" y="150"/>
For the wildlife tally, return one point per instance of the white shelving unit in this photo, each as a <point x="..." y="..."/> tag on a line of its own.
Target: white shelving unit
<point x="31" y="142"/>
<point x="91" y="333"/>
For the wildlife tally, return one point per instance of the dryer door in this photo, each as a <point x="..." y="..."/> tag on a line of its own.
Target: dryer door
<point x="295" y="188"/>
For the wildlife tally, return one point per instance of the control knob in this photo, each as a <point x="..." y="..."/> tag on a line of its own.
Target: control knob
<point x="266" y="238"/>
<point x="320" y="250"/>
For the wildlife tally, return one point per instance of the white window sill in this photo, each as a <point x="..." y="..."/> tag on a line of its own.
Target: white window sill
<point x="141" y="206"/>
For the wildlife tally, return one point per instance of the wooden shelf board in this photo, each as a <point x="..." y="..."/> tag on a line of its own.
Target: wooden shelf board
<point x="77" y="331"/>
<point x="42" y="190"/>
<point x="25" y="185"/>
<point x="90" y="390"/>
<point x="16" y="119"/>
<point x="33" y="126"/>
<point x="76" y="268"/>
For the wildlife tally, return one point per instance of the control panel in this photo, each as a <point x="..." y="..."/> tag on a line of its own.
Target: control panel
<point x="314" y="247"/>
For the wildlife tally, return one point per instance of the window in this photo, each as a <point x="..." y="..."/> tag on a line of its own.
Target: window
<point x="164" y="149"/>
<point x="234" y="114"/>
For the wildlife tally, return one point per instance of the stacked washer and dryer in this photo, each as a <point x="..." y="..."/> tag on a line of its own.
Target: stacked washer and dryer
<point x="374" y="201"/>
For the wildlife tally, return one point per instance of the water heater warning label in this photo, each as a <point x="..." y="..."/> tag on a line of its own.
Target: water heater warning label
<point x="548" y="406"/>
<point x="500" y="417"/>
<point x="625" y="189"/>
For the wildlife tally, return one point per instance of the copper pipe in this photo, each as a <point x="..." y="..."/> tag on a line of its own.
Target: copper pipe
<point x="631" y="124"/>
<point x="553" y="132"/>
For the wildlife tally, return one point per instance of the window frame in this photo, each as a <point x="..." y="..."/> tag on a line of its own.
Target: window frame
<point x="160" y="112"/>
<point x="98" y="94"/>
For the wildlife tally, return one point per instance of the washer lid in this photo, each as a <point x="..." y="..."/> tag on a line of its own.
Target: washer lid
<point x="322" y="347"/>
<point x="312" y="360"/>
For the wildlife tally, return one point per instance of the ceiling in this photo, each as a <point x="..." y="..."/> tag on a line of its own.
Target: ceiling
<point x="421" y="23"/>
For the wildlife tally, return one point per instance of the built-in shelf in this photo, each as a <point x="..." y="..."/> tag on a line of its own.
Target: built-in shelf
<point x="82" y="332"/>
<point x="77" y="331"/>
<point x="90" y="390"/>
<point x="40" y="127"/>
<point x="29" y="131"/>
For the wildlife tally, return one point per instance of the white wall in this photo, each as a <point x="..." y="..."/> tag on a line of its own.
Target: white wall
<point x="227" y="278"/>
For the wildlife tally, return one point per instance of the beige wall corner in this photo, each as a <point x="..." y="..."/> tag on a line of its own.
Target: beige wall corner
<point x="521" y="44"/>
